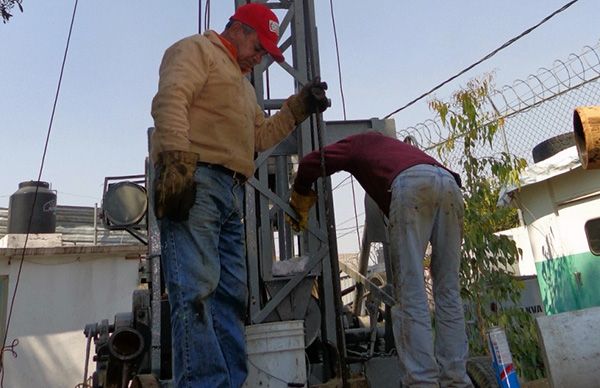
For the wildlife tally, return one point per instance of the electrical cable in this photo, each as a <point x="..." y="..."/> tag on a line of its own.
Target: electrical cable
<point x="207" y="15"/>
<point x="199" y="16"/>
<point x="338" y="230"/>
<point x="337" y="54"/>
<point x="488" y="56"/>
<point x="12" y="302"/>
<point x="312" y="57"/>
<point x="339" y="69"/>
<point x="348" y="220"/>
<point x="341" y="184"/>
<point x="11" y="349"/>
<point x="347" y="233"/>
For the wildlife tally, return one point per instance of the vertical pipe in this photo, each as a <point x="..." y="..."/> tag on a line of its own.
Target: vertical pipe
<point x="155" y="271"/>
<point x="96" y="223"/>
<point x="330" y="222"/>
<point x="281" y="187"/>
<point x="363" y="265"/>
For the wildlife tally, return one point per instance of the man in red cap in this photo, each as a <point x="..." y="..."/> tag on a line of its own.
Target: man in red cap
<point x="208" y="126"/>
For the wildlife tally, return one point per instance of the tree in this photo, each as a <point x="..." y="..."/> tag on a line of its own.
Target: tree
<point x="6" y="6"/>
<point x="487" y="284"/>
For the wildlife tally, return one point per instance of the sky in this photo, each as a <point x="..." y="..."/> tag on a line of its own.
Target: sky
<point x="391" y="51"/>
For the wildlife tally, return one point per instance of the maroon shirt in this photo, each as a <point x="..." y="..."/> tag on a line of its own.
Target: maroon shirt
<point x="372" y="158"/>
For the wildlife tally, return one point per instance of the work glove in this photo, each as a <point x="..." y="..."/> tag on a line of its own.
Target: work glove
<point x="301" y="204"/>
<point x="310" y="99"/>
<point x="174" y="188"/>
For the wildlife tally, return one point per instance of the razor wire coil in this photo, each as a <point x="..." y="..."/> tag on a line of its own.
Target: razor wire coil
<point x="533" y="109"/>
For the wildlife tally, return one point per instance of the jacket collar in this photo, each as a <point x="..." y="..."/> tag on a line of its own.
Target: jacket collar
<point x="215" y="38"/>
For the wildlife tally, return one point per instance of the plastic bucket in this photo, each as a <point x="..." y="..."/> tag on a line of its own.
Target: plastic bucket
<point x="276" y="355"/>
<point x="586" y="126"/>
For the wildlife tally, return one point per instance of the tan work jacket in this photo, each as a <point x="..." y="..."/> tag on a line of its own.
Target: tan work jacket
<point x="205" y="105"/>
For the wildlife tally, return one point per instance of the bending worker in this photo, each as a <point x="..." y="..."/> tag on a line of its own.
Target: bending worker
<point x="423" y="202"/>
<point x="207" y="127"/>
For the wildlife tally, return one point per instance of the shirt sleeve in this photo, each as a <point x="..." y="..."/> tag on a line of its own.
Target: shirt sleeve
<point x="338" y="157"/>
<point x="183" y="73"/>
<point x="271" y="130"/>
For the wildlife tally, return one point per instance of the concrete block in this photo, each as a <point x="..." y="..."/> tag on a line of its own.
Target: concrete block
<point x="570" y="344"/>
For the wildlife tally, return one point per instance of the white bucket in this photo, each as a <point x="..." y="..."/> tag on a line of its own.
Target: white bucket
<point x="276" y="355"/>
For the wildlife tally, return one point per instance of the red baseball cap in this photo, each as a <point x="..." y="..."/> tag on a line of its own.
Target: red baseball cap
<point x="265" y="23"/>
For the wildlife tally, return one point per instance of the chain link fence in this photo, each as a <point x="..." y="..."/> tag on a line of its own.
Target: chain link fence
<point x="534" y="109"/>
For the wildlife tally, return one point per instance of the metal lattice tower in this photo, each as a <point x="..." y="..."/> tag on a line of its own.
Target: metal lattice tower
<point x="284" y="298"/>
<point x="268" y="237"/>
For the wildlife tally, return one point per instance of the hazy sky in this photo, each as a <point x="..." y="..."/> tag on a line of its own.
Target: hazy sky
<point x="391" y="51"/>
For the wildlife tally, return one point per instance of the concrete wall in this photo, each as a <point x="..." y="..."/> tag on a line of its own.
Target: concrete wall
<point x="58" y="295"/>
<point x="526" y="264"/>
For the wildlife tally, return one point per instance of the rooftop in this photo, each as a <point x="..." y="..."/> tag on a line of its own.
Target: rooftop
<point x="82" y="226"/>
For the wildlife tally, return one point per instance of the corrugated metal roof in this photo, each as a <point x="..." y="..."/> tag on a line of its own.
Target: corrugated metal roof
<point x="76" y="223"/>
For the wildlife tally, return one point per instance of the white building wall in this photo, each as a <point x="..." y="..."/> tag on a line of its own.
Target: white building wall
<point x="526" y="264"/>
<point x="57" y="296"/>
<point x="557" y="228"/>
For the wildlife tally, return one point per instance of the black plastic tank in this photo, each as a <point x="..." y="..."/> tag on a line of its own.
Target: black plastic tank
<point x="24" y="200"/>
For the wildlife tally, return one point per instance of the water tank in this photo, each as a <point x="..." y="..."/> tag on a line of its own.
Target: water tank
<point x="24" y="200"/>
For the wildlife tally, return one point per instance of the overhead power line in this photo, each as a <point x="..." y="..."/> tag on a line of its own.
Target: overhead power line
<point x="207" y="15"/>
<point x="339" y="68"/>
<point x="337" y="55"/>
<point x="11" y="347"/>
<point x="488" y="56"/>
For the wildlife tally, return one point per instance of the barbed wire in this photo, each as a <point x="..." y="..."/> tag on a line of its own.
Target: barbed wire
<point x="485" y="58"/>
<point x="565" y="75"/>
<point x="534" y="108"/>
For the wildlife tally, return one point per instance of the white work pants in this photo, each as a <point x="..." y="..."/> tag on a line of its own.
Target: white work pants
<point x="427" y="206"/>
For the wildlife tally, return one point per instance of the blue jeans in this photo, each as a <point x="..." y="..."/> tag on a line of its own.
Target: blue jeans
<point x="427" y="206"/>
<point x="204" y="266"/>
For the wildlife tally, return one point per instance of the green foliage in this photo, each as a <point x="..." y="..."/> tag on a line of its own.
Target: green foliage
<point x="6" y="6"/>
<point x="487" y="284"/>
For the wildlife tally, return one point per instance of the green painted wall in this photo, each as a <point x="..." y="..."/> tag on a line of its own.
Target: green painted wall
<point x="569" y="283"/>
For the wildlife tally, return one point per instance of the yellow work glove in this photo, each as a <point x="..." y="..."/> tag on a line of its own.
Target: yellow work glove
<point x="310" y="99"/>
<point x="301" y="204"/>
<point x="174" y="187"/>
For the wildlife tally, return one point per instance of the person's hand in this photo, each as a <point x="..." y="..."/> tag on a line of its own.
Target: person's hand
<point x="301" y="204"/>
<point x="174" y="188"/>
<point x="310" y="99"/>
